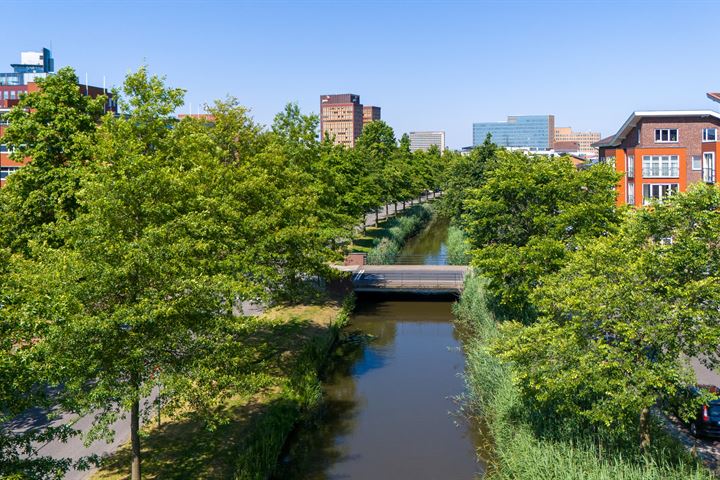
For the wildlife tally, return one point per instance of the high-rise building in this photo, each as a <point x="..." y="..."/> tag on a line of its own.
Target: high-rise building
<point x="21" y="80"/>
<point x="584" y="140"/>
<point x="370" y="114"/>
<point x="424" y="140"/>
<point x="532" y="132"/>
<point x="341" y="116"/>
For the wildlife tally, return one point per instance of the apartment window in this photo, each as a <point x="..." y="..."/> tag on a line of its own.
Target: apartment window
<point x="630" y="193"/>
<point x="6" y="95"/>
<point x="666" y="135"/>
<point x="708" y="167"/>
<point x="661" y="166"/>
<point x="658" y="191"/>
<point x="709" y="134"/>
<point x="630" y="166"/>
<point x="696" y="162"/>
<point x="5" y="171"/>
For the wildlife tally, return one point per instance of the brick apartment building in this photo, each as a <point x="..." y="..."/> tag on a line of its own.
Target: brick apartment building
<point x="343" y="117"/>
<point x="662" y="152"/>
<point x="21" y="80"/>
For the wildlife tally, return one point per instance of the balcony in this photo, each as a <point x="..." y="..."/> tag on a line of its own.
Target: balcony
<point x="708" y="175"/>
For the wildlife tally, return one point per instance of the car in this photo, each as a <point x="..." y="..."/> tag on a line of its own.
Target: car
<point x="707" y="421"/>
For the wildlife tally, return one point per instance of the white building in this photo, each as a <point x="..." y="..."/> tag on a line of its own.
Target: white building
<point x="424" y="140"/>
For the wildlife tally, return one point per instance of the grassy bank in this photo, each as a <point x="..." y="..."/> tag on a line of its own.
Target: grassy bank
<point x="457" y="247"/>
<point x="247" y="446"/>
<point x="389" y="239"/>
<point x="533" y="445"/>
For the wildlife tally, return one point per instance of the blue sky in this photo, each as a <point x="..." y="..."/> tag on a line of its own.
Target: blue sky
<point x="430" y="65"/>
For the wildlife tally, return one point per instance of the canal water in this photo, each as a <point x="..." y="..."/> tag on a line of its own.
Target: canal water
<point x="390" y="408"/>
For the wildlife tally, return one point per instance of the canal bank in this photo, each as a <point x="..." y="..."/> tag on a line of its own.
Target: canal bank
<point x="389" y="405"/>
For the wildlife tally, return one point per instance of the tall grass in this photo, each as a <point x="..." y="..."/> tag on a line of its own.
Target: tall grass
<point x="535" y="445"/>
<point x="399" y="230"/>
<point x="457" y="247"/>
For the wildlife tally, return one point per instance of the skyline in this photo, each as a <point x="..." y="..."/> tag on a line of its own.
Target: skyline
<point x="430" y="65"/>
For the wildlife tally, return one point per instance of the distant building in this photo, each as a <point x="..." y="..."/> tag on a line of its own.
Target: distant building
<point x="32" y="66"/>
<point x="424" y="140"/>
<point x="531" y="132"/>
<point x="584" y="140"/>
<point x="370" y="114"/>
<point x="660" y="153"/>
<point x="341" y="116"/>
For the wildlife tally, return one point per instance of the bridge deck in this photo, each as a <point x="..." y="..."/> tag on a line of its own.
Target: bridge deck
<point x="431" y="278"/>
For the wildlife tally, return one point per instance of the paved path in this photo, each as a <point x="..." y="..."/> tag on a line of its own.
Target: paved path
<point x="394" y="208"/>
<point x="74" y="448"/>
<point x="438" y="278"/>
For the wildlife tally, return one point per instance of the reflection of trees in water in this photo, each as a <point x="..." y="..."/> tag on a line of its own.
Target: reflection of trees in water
<point x="311" y="450"/>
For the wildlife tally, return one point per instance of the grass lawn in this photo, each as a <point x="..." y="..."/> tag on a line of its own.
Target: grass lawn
<point x="183" y="447"/>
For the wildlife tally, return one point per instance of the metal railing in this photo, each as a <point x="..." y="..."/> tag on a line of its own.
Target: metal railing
<point x="410" y="280"/>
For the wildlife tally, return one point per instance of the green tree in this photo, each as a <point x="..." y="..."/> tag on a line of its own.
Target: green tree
<point x="528" y="213"/>
<point x="617" y="320"/>
<point x="141" y="293"/>
<point x="55" y="127"/>
<point x="465" y="172"/>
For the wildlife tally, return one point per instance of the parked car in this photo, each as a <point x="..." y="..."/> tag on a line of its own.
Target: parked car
<point x="704" y="419"/>
<point x="707" y="421"/>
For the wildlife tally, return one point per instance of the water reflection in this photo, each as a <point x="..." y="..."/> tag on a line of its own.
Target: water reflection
<point x="389" y="407"/>
<point x="389" y="411"/>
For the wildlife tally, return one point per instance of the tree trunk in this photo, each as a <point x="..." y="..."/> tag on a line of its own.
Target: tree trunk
<point x="376" y="218"/>
<point x="645" y="429"/>
<point x="403" y="204"/>
<point x="386" y="209"/>
<point x="395" y="205"/>
<point x="135" y="438"/>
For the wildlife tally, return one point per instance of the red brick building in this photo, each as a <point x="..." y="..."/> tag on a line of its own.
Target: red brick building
<point x="659" y="153"/>
<point x="343" y="116"/>
<point x="21" y="81"/>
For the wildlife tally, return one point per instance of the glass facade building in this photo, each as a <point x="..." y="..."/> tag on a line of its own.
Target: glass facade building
<point x="535" y="132"/>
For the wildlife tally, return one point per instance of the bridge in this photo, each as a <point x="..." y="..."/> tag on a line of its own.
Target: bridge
<point x="409" y="278"/>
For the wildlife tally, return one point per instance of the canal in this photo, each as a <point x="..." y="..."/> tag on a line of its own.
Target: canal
<point x="390" y="408"/>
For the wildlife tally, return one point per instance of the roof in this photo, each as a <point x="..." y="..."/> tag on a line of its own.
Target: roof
<point x="635" y="117"/>
<point x="714" y="96"/>
<point x="566" y="146"/>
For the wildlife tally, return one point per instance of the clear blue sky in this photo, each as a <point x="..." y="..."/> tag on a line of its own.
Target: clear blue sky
<point x="430" y="65"/>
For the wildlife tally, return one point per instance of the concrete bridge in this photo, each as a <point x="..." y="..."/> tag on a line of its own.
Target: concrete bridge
<point x="409" y="278"/>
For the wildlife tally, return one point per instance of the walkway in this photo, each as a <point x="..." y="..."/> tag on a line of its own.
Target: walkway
<point x="409" y="278"/>
<point x="394" y="208"/>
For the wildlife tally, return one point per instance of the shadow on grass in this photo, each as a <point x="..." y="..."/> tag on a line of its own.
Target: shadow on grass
<point x="185" y="448"/>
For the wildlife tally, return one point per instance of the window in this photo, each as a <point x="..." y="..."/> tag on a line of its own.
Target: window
<point x="5" y="171"/>
<point x="708" y="167"/>
<point x="696" y="162"/>
<point x="661" y="166"/>
<point x="658" y="191"/>
<point x="630" y="166"/>
<point x="666" y="135"/>
<point x="630" y="193"/>
<point x="709" y="134"/>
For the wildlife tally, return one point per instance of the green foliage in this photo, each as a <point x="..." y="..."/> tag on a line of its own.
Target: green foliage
<point x="55" y="126"/>
<point x="464" y="173"/>
<point x="617" y="319"/>
<point x="457" y="247"/>
<point x="531" y="443"/>
<point x="529" y="212"/>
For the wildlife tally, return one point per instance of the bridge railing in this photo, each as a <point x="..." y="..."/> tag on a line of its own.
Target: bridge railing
<point x="420" y="260"/>
<point x="419" y="280"/>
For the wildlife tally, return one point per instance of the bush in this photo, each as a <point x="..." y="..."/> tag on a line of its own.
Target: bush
<point x="457" y="247"/>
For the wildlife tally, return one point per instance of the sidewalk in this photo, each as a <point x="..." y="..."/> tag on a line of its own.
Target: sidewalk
<point x="394" y="208"/>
